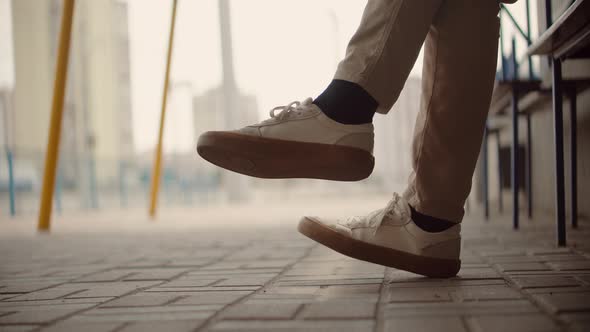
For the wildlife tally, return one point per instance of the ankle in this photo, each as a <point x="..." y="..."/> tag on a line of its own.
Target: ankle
<point x="430" y="224"/>
<point x="347" y="103"/>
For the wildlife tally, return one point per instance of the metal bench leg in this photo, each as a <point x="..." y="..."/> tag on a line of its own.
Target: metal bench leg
<point x="574" y="158"/>
<point x="500" y="173"/>
<point x="514" y="161"/>
<point x="529" y="166"/>
<point x="559" y="169"/>
<point x="484" y="170"/>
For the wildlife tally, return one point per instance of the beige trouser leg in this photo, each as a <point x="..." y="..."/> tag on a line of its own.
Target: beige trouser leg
<point x="457" y="81"/>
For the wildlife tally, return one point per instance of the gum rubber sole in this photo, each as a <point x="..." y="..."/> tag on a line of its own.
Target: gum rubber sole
<point x="426" y="266"/>
<point x="277" y="159"/>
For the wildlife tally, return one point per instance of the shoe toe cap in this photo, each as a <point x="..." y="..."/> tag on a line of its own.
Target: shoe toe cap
<point x="330" y="223"/>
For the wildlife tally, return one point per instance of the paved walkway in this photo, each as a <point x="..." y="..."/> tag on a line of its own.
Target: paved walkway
<point x="267" y="278"/>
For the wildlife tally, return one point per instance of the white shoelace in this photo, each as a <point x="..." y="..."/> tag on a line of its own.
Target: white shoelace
<point x="293" y="107"/>
<point x="397" y="209"/>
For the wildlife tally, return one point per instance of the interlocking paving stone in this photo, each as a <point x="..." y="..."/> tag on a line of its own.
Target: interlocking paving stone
<point x="142" y="300"/>
<point x="561" y="302"/>
<point x="464" y="308"/>
<point x="243" y="281"/>
<point x="106" y="276"/>
<point x="346" y="309"/>
<point x="562" y="257"/>
<point x="478" y="273"/>
<point x="153" y="274"/>
<point x="502" y="252"/>
<point x="361" y="293"/>
<point x="332" y="275"/>
<point x="186" y="283"/>
<point x="454" y="324"/>
<point x="522" y="266"/>
<point x="106" y="289"/>
<point x="491" y="292"/>
<point x="297" y="290"/>
<point x="445" y="283"/>
<point x="330" y="282"/>
<point x="544" y="281"/>
<point x="549" y="251"/>
<point x="106" y="311"/>
<point x="174" y="326"/>
<point x="160" y="314"/>
<point x="429" y="294"/>
<point x="85" y="327"/>
<point x="549" y="290"/>
<point x="276" y="280"/>
<point x="202" y="289"/>
<point x="521" y="323"/>
<point x="46" y="294"/>
<point x="41" y="314"/>
<point x="293" y="325"/>
<point x="211" y="298"/>
<point x="262" y="311"/>
<point x="86" y="300"/>
<point x="23" y="287"/>
<point x="570" y="265"/>
<point x="220" y="274"/>
<point x="18" y="328"/>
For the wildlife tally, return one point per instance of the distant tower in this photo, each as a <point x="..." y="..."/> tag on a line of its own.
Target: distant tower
<point x="234" y="184"/>
<point x="226" y="44"/>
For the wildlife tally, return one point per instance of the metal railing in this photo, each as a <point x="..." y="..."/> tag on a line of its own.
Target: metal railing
<point x="88" y="183"/>
<point x="510" y="63"/>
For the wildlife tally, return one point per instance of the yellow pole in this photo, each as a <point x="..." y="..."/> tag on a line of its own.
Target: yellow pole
<point x="59" y="86"/>
<point x="158" y="158"/>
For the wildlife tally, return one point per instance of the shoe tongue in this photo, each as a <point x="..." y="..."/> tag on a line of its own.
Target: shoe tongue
<point x="389" y="220"/>
<point x="307" y="102"/>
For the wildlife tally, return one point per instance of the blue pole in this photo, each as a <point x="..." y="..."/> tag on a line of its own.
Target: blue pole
<point x="514" y="61"/>
<point x="11" y="191"/>
<point x="503" y="63"/>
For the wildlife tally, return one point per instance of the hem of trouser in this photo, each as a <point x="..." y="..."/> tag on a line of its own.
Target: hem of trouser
<point x="412" y="198"/>
<point x="344" y="76"/>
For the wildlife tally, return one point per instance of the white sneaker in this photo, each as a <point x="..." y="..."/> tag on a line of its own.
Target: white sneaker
<point x="389" y="237"/>
<point x="300" y="141"/>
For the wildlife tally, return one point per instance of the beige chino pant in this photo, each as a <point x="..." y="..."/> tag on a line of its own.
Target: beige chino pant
<point x="461" y="45"/>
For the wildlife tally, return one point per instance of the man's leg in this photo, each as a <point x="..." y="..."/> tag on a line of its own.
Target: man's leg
<point x="459" y="65"/>
<point x="378" y="59"/>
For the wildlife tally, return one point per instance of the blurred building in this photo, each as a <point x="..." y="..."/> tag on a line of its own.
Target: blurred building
<point x="209" y="113"/>
<point x="97" y="112"/>
<point x="5" y="114"/>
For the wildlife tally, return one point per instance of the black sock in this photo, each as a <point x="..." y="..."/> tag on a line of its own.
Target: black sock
<point x="347" y="103"/>
<point x="430" y="224"/>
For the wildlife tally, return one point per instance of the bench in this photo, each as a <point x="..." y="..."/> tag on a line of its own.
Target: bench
<point x="568" y="37"/>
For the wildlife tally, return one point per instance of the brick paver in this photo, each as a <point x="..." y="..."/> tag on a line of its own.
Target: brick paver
<point x="273" y="279"/>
